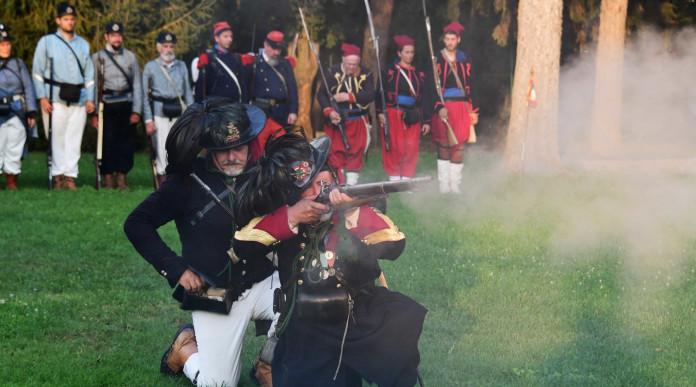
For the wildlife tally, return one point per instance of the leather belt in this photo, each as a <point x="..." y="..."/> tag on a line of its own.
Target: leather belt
<point x="13" y="98"/>
<point x="453" y="99"/>
<point x="270" y="101"/>
<point x="353" y="114"/>
<point x="162" y="99"/>
<point x="116" y="93"/>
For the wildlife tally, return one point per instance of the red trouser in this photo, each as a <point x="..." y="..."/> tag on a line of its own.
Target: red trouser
<point x="459" y="119"/>
<point x="339" y="157"/>
<point x="404" y="141"/>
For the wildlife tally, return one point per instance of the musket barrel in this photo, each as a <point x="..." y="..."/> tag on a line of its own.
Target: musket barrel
<point x="383" y="187"/>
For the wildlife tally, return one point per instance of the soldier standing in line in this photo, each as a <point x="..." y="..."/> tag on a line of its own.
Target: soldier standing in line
<point x="221" y="71"/>
<point x="17" y="108"/>
<point x="167" y="81"/>
<point x="352" y="87"/>
<point x="73" y="93"/>
<point x="123" y="105"/>
<point x="273" y="87"/>
<point x="460" y="107"/>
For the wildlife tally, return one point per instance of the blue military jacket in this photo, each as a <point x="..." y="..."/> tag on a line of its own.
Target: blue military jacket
<point x="217" y="81"/>
<point x="67" y="67"/>
<point x="16" y="85"/>
<point x="276" y="84"/>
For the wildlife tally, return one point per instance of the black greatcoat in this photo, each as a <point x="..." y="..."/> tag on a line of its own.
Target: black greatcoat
<point x="204" y="244"/>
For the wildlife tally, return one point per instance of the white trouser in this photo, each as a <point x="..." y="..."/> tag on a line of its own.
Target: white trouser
<point x="12" y="138"/>
<point x="220" y="337"/>
<point x="68" y="126"/>
<point x="163" y="126"/>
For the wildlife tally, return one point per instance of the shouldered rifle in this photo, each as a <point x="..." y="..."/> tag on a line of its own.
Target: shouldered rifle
<point x="368" y="192"/>
<point x="375" y="43"/>
<point x="212" y="195"/>
<point x="451" y="138"/>
<point x="100" y="115"/>
<point x="334" y="104"/>
<point x="153" y="143"/>
<point x="49" y="151"/>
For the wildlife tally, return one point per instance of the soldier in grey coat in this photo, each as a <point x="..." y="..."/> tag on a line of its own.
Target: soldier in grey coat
<point x="122" y="96"/>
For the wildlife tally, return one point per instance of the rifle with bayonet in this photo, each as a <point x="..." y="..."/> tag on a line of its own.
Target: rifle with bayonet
<point x="375" y="43"/>
<point x="49" y="151"/>
<point x="334" y="104"/>
<point x="451" y="138"/>
<point x="100" y="114"/>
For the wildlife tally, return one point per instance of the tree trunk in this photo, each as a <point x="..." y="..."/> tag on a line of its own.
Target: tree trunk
<point x="605" y="123"/>
<point x="381" y="15"/>
<point x="306" y="68"/>
<point x="532" y="140"/>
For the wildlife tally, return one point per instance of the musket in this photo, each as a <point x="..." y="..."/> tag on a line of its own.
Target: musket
<point x="370" y="191"/>
<point x="153" y="146"/>
<point x="334" y="104"/>
<point x="253" y="37"/>
<point x="212" y="194"/>
<point x="375" y="42"/>
<point x="451" y="138"/>
<point x="100" y="114"/>
<point x="49" y="151"/>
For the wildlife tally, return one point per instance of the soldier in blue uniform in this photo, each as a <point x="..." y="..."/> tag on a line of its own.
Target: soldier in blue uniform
<point x="221" y="71"/>
<point x="72" y="81"/>
<point x="272" y="86"/>
<point x="17" y="108"/>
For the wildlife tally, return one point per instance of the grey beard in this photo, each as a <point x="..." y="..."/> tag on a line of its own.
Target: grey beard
<point x="167" y="57"/>
<point x="272" y="62"/>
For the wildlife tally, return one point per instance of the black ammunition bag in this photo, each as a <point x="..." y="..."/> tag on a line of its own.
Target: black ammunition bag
<point x="321" y="303"/>
<point x="212" y="299"/>
<point x="411" y="116"/>
<point x="172" y="109"/>
<point x="70" y="93"/>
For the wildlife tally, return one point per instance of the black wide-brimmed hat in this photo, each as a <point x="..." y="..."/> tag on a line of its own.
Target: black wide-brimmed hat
<point x="234" y="128"/>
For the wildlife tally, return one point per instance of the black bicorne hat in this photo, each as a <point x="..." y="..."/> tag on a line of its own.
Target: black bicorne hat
<point x="288" y="166"/>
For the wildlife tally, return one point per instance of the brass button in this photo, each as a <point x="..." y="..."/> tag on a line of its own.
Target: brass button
<point x="338" y="285"/>
<point x="243" y="272"/>
<point x="302" y="245"/>
<point x="244" y="261"/>
<point x="302" y="270"/>
<point x="300" y="282"/>
<point x="302" y="258"/>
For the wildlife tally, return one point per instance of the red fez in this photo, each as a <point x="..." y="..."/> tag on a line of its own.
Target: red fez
<point x="455" y="28"/>
<point x="275" y="39"/>
<point x="221" y="27"/>
<point x="403" y="40"/>
<point x="349" y="49"/>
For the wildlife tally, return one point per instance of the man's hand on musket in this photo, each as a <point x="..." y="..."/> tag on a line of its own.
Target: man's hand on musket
<point x="191" y="281"/>
<point x="443" y="114"/>
<point x="335" y="117"/>
<point x="46" y="105"/>
<point x="381" y="119"/>
<point x="90" y="107"/>
<point x="474" y="118"/>
<point x="134" y="118"/>
<point x="306" y="211"/>
<point x="150" y="128"/>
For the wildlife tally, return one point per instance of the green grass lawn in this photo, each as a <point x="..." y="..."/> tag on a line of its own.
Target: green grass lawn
<point x="584" y="279"/>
